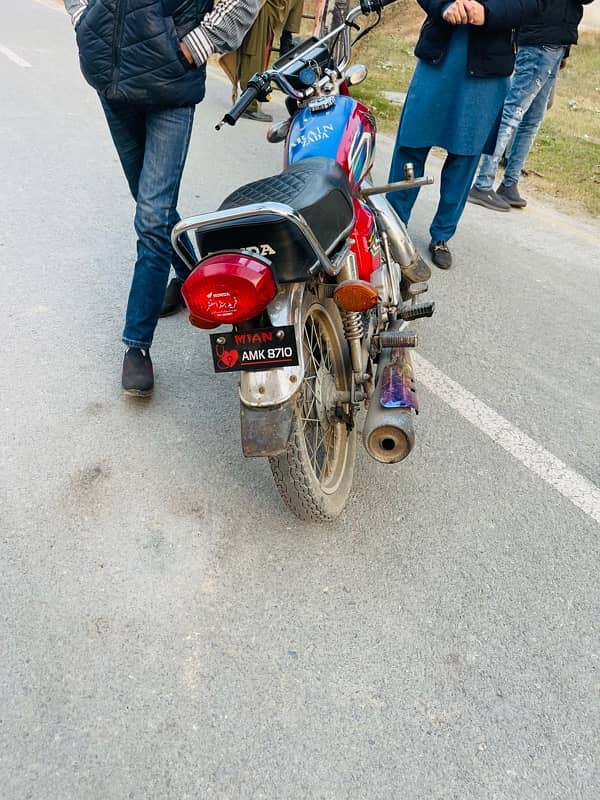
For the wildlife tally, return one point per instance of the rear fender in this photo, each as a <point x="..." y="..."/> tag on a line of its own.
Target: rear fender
<point x="273" y="387"/>
<point x="268" y="398"/>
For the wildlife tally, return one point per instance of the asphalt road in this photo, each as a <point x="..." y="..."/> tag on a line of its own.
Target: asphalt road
<point x="167" y="629"/>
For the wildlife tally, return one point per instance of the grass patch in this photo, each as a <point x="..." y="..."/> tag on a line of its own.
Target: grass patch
<point x="386" y="112"/>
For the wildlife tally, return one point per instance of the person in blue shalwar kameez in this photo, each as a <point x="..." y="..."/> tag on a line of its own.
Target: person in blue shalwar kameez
<point x="466" y="54"/>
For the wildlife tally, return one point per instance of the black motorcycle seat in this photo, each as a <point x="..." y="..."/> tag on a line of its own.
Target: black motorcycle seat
<point x="317" y="188"/>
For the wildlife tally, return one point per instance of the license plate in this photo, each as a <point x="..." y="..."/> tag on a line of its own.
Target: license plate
<point x="267" y="348"/>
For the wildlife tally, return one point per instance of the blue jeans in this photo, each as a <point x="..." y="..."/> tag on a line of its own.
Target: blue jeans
<point x="152" y="144"/>
<point x="455" y="182"/>
<point x="535" y="73"/>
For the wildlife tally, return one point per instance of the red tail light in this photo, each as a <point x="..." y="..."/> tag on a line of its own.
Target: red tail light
<point x="228" y="287"/>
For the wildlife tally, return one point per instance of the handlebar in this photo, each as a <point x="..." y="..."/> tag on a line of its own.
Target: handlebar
<point x="374" y="6"/>
<point x="259" y="88"/>
<point x="236" y="111"/>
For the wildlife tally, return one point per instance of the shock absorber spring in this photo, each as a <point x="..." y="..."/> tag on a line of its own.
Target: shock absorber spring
<point x="353" y="331"/>
<point x="353" y="325"/>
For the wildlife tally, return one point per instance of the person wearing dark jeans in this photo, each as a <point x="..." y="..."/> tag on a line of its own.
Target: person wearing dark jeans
<point x="152" y="145"/>
<point x="543" y="47"/>
<point x="465" y="56"/>
<point x="146" y="59"/>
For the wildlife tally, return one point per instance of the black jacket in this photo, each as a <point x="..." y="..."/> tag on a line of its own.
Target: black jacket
<point x="129" y="50"/>
<point x="555" y="25"/>
<point x="492" y="46"/>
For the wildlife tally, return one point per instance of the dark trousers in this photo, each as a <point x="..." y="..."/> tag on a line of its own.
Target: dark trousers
<point x="455" y="181"/>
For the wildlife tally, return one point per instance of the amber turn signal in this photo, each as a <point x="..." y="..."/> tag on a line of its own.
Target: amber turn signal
<point x="355" y="296"/>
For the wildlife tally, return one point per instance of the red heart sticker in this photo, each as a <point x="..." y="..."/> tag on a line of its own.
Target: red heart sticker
<point x="229" y="358"/>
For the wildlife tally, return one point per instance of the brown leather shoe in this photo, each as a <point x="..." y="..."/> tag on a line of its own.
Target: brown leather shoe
<point x="417" y="272"/>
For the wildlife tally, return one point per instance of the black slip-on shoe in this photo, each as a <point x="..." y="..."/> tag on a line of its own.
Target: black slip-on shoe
<point x="488" y="198"/>
<point x="510" y="194"/>
<point x="138" y="376"/>
<point x="440" y="254"/>
<point x="173" y="301"/>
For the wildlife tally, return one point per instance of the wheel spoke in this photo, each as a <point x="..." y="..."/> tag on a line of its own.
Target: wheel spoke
<point x="308" y="348"/>
<point x="310" y="405"/>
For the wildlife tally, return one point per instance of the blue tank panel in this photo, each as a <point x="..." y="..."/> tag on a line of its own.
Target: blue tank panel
<point x="319" y="134"/>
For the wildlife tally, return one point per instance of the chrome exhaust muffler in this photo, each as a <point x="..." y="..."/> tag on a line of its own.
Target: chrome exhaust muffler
<point x="388" y="433"/>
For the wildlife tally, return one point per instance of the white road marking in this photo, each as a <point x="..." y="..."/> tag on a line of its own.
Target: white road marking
<point x="579" y="490"/>
<point x="55" y="5"/>
<point x="13" y="56"/>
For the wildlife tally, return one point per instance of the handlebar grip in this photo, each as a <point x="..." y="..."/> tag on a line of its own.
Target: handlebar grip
<point x="236" y="111"/>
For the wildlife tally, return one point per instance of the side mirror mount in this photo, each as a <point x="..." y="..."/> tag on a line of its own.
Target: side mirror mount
<point x="355" y="74"/>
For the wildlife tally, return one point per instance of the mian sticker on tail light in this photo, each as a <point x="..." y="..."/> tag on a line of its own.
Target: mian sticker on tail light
<point x="228" y="288"/>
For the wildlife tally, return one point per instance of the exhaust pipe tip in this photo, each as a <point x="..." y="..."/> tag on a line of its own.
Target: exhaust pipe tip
<point x="388" y="434"/>
<point x="389" y="444"/>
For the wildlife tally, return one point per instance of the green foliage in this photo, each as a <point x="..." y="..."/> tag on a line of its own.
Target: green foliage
<point x="387" y="113"/>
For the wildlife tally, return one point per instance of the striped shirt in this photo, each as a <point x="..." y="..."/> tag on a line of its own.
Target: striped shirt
<point x="220" y="31"/>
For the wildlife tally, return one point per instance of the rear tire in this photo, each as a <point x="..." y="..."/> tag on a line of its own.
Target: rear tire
<point x="314" y="476"/>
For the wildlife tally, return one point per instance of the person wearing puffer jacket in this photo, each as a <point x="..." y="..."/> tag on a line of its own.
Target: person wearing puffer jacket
<point x="147" y="61"/>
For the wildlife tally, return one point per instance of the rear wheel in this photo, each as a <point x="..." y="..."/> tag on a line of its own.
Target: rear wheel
<point x="314" y="475"/>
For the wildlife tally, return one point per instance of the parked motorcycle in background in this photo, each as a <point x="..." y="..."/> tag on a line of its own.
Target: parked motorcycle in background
<point x="318" y="278"/>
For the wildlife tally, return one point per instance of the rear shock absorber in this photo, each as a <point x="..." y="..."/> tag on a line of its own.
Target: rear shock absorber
<point x="353" y="325"/>
<point x="353" y="331"/>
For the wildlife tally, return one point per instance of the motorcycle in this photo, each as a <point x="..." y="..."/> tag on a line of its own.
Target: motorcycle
<point x="318" y="279"/>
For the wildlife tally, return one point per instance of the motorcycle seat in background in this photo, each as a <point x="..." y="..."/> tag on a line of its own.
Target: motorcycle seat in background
<point x="317" y="188"/>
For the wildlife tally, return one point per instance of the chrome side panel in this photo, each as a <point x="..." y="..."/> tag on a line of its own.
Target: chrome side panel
<point x="276" y="386"/>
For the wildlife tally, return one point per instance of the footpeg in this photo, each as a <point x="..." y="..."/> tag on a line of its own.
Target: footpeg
<point x="397" y="339"/>
<point x="417" y="311"/>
